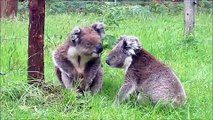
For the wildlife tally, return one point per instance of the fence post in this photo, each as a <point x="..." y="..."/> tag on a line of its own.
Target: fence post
<point x="189" y="16"/>
<point x="36" y="42"/>
<point x="8" y="8"/>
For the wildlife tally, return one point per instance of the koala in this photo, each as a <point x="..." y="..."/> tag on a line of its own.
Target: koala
<point x="144" y="74"/>
<point x="77" y="58"/>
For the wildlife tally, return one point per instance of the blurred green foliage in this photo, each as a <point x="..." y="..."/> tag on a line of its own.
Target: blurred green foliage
<point x="140" y="7"/>
<point x="113" y="14"/>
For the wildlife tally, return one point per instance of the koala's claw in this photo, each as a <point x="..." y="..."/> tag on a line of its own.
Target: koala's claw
<point x="115" y="104"/>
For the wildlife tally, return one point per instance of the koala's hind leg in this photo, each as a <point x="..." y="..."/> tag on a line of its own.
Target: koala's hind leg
<point x="124" y="92"/>
<point x="97" y="82"/>
<point x="67" y="81"/>
<point x="142" y="98"/>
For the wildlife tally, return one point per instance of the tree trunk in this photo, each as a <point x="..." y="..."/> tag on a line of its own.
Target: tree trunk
<point x="36" y="42"/>
<point x="189" y="16"/>
<point x="8" y="8"/>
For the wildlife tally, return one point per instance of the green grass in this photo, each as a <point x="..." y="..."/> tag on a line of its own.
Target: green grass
<point x="190" y="58"/>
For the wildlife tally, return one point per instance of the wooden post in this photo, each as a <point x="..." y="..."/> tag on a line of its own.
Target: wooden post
<point x="189" y="16"/>
<point x="36" y="42"/>
<point x="8" y="8"/>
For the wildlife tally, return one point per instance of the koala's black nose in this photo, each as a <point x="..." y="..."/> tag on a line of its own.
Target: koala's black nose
<point x="99" y="48"/>
<point x="107" y="60"/>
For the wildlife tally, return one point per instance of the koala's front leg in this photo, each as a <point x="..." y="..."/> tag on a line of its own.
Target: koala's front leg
<point x="97" y="82"/>
<point x="124" y="92"/>
<point x="91" y="70"/>
<point x="67" y="72"/>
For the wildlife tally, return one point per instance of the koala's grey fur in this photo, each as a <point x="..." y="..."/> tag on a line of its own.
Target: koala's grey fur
<point x="78" y="58"/>
<point x="144" y="74"/>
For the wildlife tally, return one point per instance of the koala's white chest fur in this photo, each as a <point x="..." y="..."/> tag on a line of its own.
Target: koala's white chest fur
<point x="127" y="63"/>
<point x="79" y="64"/>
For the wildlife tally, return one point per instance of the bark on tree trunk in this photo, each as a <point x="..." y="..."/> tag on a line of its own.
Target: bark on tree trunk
<point x="8" y="8"/>
<point x="189" y="16"/>
<point x="36" y="42"/>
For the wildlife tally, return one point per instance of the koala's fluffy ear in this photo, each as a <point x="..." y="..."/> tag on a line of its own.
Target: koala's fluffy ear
<point x="75" y="34"/>
<point x="131" y="44"/>
<point x="121" y="38"/>
<point x="99" y="27"/>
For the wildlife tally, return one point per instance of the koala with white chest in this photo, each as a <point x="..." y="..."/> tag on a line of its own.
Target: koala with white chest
<point x="144" y="74"/>
<point x="78" y="58"/>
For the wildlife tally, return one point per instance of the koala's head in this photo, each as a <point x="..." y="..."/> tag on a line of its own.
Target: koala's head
<point x="121" y="54"/>
<point x="87" y="40"/>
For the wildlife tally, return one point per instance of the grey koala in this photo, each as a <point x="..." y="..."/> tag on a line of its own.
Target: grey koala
<point x="144" y="74"/>
<point x="78" y="58"/>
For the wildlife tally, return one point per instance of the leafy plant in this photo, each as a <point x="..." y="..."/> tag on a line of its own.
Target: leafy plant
<point x="108" y="41"/>
<point x="159" y="8"/>
<point x="112" y="16"/>
<point x="57" y="7"/>
<point x="174" y="8"/>
<point x="142" y="11"/>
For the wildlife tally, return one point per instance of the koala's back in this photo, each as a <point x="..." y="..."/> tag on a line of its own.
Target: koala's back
<point x="155" y="79"/>
<point x="164" y="86"/>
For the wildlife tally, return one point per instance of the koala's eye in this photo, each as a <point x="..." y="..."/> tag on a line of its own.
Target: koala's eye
<point x="88" y="44"/>
<point x="113" y="57"/>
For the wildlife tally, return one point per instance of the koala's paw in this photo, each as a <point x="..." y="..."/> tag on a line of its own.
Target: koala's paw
<point x="115" y="104"/>
<point x="79" y="92"/>
<point x="70" y="75"/>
